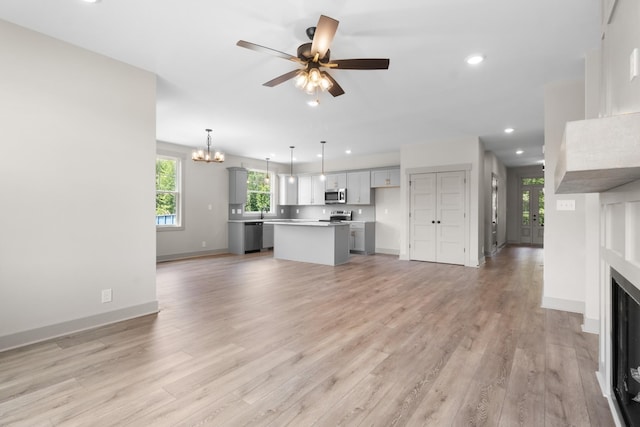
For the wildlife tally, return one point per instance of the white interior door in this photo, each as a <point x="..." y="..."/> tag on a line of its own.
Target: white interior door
<point x="423" y="216"/>
<point x="437" y="220"/>
<point x="450" y="218"/>
<point x="494" y="213"/>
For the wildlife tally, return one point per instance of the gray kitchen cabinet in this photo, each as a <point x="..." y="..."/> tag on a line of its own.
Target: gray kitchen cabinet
<point x="359" y="188"/>
<point x="267" y="235"/>
<point x="363" y="237"/>
<point x="335" y="181"/>
<point x="237" y="186"/>
<point x="288" y="190"/>
<point x="310" y="190"/>
<point x="385" y="177"/>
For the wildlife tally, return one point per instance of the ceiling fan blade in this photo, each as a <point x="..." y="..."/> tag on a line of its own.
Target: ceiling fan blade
<point x="359" y="64"/>
<point x="325" y="31"/>
<point x="283" y="78"/>
<point x="336" y="89"/>
<point x="268" y="50"/>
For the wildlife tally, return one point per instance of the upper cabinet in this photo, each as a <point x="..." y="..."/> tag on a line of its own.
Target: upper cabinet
<point x="359" y="188"/>
<point x="385" y="177"/>
<point x="310" y="190"/>
<point x="335" y="181"/>
<point x="288" y="190"/>
<point x="237" y="186"/>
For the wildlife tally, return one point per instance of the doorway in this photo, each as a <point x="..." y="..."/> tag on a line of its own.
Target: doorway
<point x="531" y="213"/>
<point x="494" y="213"/>
<point x="437" y="217"/>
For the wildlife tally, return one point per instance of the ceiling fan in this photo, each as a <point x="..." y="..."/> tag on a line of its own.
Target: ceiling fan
<point x="314" y="57"/>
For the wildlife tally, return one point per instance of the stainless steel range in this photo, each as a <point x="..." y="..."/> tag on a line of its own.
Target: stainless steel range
<point x="338" y="216"/>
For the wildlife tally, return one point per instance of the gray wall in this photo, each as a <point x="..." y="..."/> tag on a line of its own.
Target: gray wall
<point x="77" y="164"/>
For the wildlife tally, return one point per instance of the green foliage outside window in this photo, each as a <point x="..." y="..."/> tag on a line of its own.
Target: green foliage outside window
<point x="533" y="181"/>
<point x="167" y="191"/>
<point x="258" y="192"/>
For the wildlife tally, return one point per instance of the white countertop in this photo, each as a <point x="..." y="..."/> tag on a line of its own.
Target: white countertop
<point x="309" y="223"/>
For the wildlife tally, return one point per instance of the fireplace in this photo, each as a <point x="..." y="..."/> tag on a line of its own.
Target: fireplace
<point x="625" y="311"/>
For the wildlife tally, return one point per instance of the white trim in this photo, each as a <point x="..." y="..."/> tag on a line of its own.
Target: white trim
<point x="32" y="336"/>
<point x="591" y="326"/>
<point x="563" y="304"/>
<point x="186" y="255"/>
<point x="386" y="251"/>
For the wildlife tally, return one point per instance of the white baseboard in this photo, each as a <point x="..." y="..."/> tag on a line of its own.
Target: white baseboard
<point x="591" y="326"/>
<point x="388" y="251"/>
<point x="186" y="255"/>
<point x="32" y="336"/>
<point x="563" y="304"/>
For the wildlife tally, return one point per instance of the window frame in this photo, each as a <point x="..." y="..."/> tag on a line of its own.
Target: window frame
<point x="179" y="192"/>
<point x="272" y="195"/>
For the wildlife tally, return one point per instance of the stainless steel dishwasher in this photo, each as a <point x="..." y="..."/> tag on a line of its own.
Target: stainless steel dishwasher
<point x="252" y="236"/>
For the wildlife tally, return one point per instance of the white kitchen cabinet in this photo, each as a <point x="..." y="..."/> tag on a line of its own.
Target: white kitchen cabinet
<point x="359" y="188"/>
<point x="362" y="237"/>
<point x="310" y="190"/>
<point x="288" y="194"/>
<point x="237" y="186"/>
<point x="335" y="181"/>
<point x="385" y="178"/>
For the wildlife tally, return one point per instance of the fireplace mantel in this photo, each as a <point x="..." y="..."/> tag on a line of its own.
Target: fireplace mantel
<point x="597" y="155"/>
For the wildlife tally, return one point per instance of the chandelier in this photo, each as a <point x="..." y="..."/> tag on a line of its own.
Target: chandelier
<point x="202" y="156"/>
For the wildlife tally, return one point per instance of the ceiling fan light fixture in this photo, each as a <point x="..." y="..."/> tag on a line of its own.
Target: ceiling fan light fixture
<point x="301" y="79"/>
<point x="325" y="83"/>
<point x="314" y="76"/>
<point x="313" y="102"/>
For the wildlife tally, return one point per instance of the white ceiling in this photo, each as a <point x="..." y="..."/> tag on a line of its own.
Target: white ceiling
<point x="429" y="92"/>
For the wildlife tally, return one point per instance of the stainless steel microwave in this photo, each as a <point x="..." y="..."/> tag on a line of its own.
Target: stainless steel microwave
<point x="332" y="197"/>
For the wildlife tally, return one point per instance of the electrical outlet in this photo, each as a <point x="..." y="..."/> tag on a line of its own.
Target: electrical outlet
<point x="566" y="205"/>
<point x="204" y="244"/>
<point x="386" y="211"/>
<point x="239" y="211"/>
<point x="106" y="295"/>
<point x="281" y="211"/>
<point x="233" y="211"/>
<point x="297" y="211"/>
<point x="210" y="206"/>
<point x="324" y="211"/>
<point x="359" y="211"/>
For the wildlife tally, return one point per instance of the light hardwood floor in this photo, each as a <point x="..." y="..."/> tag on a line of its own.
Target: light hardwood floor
<point x="250" y="340"/>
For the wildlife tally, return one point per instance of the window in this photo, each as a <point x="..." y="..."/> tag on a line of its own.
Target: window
<point x="532" y="181"/>
<point x="168" y="191"/>
<point x="259" y="192"/>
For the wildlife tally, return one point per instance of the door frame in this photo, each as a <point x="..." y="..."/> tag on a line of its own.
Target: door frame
<point x="463" y="167"/>
<point x="519" y="195"/>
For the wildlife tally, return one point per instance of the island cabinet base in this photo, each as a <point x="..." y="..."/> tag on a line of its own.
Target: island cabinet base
<point x="328" y="245"/>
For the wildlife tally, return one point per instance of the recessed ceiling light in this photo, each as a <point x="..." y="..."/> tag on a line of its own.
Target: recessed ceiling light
<point x="509" y="130"/>
<point x="348" y="151"/>
<point x="474" y="59"/>
<point x="91" y="1"/>
<point x="519" y="152"/>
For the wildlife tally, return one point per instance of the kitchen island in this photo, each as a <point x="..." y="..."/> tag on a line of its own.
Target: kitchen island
<point x="311" y="241"/>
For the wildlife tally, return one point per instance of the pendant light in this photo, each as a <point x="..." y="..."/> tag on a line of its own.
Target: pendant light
<point x="291" y="178"/>
<point x="266" y="178"/>
<point x="322" y="175"/>
<point x="201" y="156"/>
